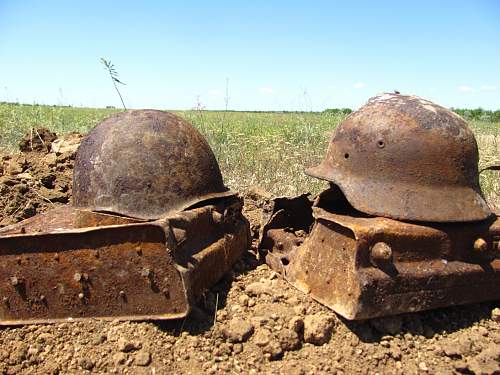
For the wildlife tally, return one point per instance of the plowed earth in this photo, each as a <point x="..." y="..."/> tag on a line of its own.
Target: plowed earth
<point x="251" y="322"/>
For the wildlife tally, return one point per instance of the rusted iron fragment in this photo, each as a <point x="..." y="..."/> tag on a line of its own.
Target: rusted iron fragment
<point x="364" y="267"/>
<point x="89" y="265"/>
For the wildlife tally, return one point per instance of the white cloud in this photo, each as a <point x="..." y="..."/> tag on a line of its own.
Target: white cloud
<point x="465" y="88"/>
<point x="488" y="88"/>
<point x="359" y="85"/>
<point x="266" y="90"/>
<point x="215" y="92"/>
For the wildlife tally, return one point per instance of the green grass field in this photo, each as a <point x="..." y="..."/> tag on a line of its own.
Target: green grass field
<point x="266" y="149"/>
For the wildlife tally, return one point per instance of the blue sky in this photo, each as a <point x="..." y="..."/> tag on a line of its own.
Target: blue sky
<point x="276" y="55"/>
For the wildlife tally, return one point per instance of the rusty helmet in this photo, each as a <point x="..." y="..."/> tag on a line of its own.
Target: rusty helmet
<point x="145" y="164"/>
<point x="404" y="157"/>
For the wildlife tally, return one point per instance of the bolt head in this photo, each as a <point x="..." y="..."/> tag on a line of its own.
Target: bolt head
<point x="381" y="252"/>
<point x="81" y="295"/>
<point x="14" y="281"/>
<point x="77" y="277"/>
<point x="480" y="245"/>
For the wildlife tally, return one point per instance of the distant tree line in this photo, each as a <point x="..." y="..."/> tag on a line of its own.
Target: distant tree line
<point x="478" y="114"/>
<point x="338" y="111"/>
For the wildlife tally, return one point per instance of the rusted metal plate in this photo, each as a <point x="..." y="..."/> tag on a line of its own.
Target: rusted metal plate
<point x="125" y="272"/>
<point x="363" y="266"/>
<point x="136" y="271"/>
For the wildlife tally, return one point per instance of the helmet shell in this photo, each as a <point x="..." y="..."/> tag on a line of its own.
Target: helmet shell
<point x="145" y="164"/>
<point x="404" y="157"/>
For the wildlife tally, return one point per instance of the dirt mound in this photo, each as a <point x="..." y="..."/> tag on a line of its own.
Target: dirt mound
<point x="37" y="178"/>
<point x="251" y="322"/>
<point x="39" y="139"/>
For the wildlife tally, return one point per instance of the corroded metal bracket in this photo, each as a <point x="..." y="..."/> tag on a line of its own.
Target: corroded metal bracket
<point x="363" y="266"/>
<point x="69" y="264"/>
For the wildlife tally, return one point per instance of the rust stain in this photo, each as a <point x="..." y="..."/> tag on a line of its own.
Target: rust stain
<point x="145" y="164"/>
<point x="364" y="266"/>
<point x="406" y="158"/>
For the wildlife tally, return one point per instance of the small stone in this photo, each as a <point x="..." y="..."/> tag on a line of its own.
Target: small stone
<point x="257" y="289"/>
<point x="262" y="337"/>
<point x="259" y="321"/>
<point x="465" y="345"/>
<point x="296" y="324"/>
<point x="288" y="339"/>
<point x="237" y="348"/>
<point x="486" y="362"/>
<point x="119" y="358"/>
<point x="273" y="350"/>
<point x="395" y="353"/>
<point x="243" y="300"/>
<point x="451" y="349"/>
<point x="127" y="345"/>
<point x="98" y="338"/>
<point x="86" y="364"/>
<point x="238" y="330"/>
<point x="142" y="358"/>
<point x="422" y="366"/>
<point x="495" y="314"/>
<point x="18" y="353"/>
<point x="461" y="366"/>
<point x="317" y="329"/>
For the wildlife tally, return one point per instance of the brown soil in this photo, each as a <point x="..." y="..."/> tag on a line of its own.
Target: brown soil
<point x="251" y="322"/>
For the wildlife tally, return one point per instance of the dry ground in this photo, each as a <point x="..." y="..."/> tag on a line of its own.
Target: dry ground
<point x="250" y="322"/>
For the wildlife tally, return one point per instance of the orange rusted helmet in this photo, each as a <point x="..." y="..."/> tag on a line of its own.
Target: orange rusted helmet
<point x="404" y="157"/>
<point x="145" y="164"/>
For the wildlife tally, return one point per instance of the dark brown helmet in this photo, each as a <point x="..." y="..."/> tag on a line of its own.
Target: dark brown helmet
<point x="406" y="158"/>
<point x="145" y="164"/>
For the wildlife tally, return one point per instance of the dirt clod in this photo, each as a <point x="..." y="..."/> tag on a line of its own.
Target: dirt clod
<point x="238" y="330"/>
<point x="317" y="329"/>
<point x="127" y="346"/>
<point x="142" y="358"/>
<point x="39" y="139"/>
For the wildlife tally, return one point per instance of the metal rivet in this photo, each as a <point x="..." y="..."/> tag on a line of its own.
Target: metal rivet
<point x="18" y="260"/>
<point x="381" y="252"/>
<point x="480" y="245"/>
<point x="96" y="254"/>
<point x="138" y="250"/>
<point x="5" y="300"/>
<point x="42" y="298"/>
<point x="77" y="277"/>
<point x="81" y="295"/>
<point x="56" y="256"/>
<point x="279" y="245"/>
<point x="122" y="294"/>
<point x="380" y="143"/>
